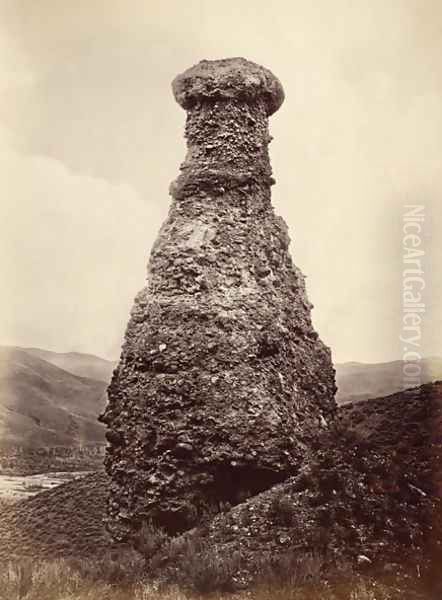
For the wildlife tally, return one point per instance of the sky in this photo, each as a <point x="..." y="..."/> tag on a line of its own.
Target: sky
<point x="91" y="137"/>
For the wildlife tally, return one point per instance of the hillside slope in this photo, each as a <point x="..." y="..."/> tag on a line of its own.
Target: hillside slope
<point x="43" y="405"/>
<point x="59" y="522"/>
<point x="373" y="490"/>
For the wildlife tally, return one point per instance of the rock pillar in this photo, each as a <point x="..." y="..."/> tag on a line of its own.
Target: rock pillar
<point x="222" y="381"/>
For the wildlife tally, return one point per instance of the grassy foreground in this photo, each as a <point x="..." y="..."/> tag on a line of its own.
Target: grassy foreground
<point x="121" y="578"/>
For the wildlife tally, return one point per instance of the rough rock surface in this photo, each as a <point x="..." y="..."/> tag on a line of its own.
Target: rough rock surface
<point x="222" y="381"/>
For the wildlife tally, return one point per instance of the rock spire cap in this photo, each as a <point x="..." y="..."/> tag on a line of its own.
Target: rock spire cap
<point x="228" y="78"/>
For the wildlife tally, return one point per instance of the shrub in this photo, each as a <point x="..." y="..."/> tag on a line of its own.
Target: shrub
<point x="123" y="567"/>
<point x="282" y="510"/>
<point x="16" y="580"/>
<point x="206" y="570"/>
<point x="150" y="539"/>
<point x="197" y="566"/>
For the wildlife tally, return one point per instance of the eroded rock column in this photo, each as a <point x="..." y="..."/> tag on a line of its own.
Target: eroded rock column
<point x="222" y="381"/>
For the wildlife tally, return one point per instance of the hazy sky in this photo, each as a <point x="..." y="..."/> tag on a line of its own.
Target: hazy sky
<point x="90" y="138"/>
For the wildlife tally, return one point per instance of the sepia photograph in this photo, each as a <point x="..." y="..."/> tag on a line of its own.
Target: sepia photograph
<point x="220" y="310"/>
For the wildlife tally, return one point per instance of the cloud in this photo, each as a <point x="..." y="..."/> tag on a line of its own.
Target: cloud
<point x="73" y="254"/>
<point x="95" y="137"/>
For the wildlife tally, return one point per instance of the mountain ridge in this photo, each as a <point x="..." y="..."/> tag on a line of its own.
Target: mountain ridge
<point x="356" y="380"/>
<point x="78" y="363"/>
<point x="66" y="401"/>
<point x="43" y="405"/>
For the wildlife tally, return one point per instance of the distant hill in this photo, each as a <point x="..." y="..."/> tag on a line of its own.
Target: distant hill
<point x="355" y="380"/>
<point x="43" y="405"/>
<point x="83" y="365"/>
<point x="361" y="381"/>
<point x="50" y="398"/>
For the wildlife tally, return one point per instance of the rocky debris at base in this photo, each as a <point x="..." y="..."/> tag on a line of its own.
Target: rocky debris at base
<point x="370" y="497"/>
<point x="359" y="497"/>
